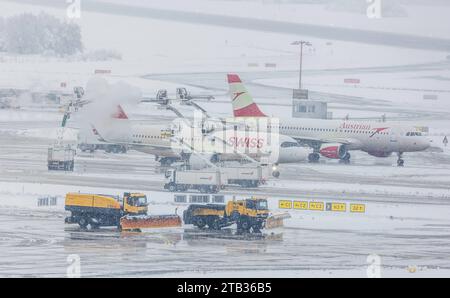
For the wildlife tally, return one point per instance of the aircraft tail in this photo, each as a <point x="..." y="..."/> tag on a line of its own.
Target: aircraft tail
<point x="242" y="101"/>
<point x="119" y="114"/>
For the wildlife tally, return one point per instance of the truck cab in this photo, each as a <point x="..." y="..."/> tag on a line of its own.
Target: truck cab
<point x="170" y="176"/>
<point x="135" y="203"/>
<point x="253" y="207"/>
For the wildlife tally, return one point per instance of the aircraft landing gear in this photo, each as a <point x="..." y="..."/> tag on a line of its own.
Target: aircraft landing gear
<point x="314" y="157"/>
<point x="346" y="159"/>
<point x="166" y="161"/>
<point x="400" y="161"/>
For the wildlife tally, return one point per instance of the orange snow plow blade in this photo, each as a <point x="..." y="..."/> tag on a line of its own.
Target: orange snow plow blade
<point x="149" y="221"/>
<point x="276" y="220"/>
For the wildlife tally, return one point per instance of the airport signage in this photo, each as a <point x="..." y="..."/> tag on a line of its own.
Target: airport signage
<point x="102" y="71"/>
<point x="321" y="206"/>
<point x="285" y="204"/>
<point x="336" y="207"/>
<point x="316" y="206"/>
<point x="301" y="205"/>
<point x="352" y="81"/>
<point x="300" y="94"/>
<point x="358" y="208"/>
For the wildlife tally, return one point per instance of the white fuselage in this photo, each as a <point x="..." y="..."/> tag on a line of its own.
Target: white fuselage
<point x="159" y="140"/>
<point x="378" y="138"/>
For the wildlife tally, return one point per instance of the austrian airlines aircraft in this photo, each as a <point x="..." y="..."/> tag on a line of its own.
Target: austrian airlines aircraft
<point x="335" y="138"/>
<point x="169" y="142"/>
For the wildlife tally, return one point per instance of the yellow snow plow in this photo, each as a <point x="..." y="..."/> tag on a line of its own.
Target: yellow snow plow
<point x="276" y="220"/>
<point x="250" y="215"/>
<point x="128" y="223"/>
<point x="91" y="211"/>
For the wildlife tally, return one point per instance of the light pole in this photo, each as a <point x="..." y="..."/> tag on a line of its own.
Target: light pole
<point x="301" y="43"/>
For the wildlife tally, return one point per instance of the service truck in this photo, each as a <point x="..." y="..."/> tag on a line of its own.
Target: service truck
<point x="206" y="181"/>
<point x="61" y="158"/>
<point x="250" y="215"/>
<point x="127" y="213"/>
<point x="245" y="176"/>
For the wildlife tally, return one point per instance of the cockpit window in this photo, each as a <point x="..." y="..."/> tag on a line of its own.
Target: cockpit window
<point x="414" y="134"/>
<point x="289" y="144"/>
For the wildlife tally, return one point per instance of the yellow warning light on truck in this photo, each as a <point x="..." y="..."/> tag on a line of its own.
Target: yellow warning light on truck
<point x="358" y="208"/>
<point x="316" y="206"/>
<point x="285" y="204"/>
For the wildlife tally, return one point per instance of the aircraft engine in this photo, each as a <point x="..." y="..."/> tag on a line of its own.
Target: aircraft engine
<point x="291" y="152"/>
<point x="333" y="151"/>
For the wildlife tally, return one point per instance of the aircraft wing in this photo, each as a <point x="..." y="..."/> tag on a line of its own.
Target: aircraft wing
<point x="344" y="141"/>
<point x="146" y="146"/>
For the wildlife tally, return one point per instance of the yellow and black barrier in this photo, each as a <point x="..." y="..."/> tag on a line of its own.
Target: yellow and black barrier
<point x="321" y="206"/>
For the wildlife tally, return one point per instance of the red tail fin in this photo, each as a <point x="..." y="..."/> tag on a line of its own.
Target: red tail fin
<point x="119" y="114"/>
<point x="242" y="101"/>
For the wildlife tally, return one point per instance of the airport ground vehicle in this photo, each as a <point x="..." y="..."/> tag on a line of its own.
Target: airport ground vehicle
<point x="250" y="215"/>
<point x="127" y="213"/>
<point x="206" y="181"/>
<point x="109" y="148"/>
<point x="61" y="158"/>
<point x="211" y="181"/>
<point x="245" y="176"/>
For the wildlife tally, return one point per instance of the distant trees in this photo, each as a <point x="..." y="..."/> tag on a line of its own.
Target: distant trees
<point x="39" y="34"/>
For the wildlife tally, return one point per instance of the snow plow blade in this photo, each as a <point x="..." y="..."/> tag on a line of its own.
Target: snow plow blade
<point x="128" y="223"/>
<point x="276" y="220"/>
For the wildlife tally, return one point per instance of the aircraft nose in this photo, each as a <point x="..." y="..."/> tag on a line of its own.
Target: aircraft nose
<point x="424" y="143"/>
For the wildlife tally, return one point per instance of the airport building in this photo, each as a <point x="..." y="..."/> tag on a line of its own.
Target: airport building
<point x="303" y="107"/>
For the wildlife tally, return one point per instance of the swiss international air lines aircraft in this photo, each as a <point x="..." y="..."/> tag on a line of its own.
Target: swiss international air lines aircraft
<point x="335" y="138"/>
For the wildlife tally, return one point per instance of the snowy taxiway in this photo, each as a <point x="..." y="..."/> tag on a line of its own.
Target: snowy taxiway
<point x="406" y="222"/>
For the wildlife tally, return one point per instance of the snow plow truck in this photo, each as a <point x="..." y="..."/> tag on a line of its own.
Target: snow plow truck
<point x="250" y="215"/>
<point x="127" y="213"/>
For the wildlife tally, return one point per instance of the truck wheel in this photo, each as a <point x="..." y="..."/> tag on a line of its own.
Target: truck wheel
<point x="83" y="222"/>
<point x="172" y="188"/>
<point x="235" y="216"/>
<point x="244" y="225"/>
<point x="200" y="223"/>
<point x="256" y="230"/>
<point x="215" y="225"/>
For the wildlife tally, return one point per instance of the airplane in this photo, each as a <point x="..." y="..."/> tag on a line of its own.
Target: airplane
<point x="170" y="144"/>
<point x="334" y="138"/>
